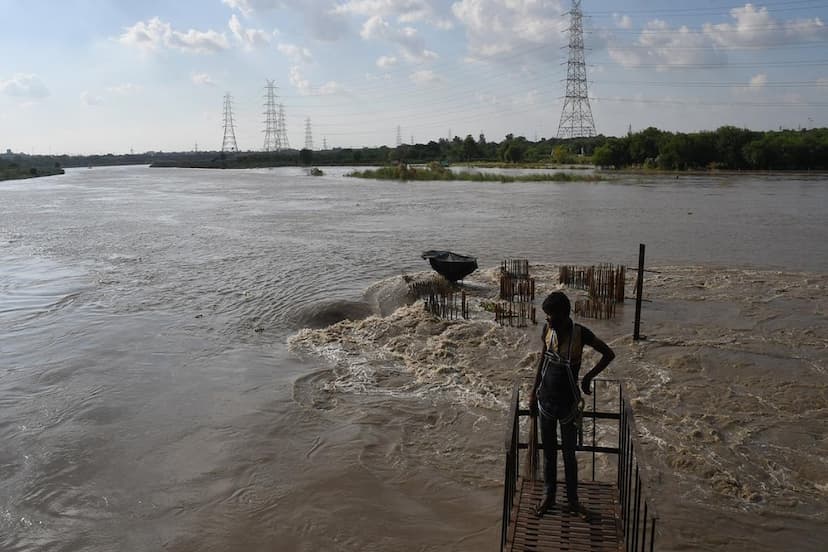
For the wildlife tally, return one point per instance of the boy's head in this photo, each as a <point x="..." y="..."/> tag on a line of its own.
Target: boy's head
<point x="557" y="308"/>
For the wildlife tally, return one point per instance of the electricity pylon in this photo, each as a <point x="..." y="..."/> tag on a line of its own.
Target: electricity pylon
<point x="576" y="116"/>
<point x="228" y="143"/>
<point x="308" y="134"/>
<point x="272" y="137"/>
<point x="281" y="128"/>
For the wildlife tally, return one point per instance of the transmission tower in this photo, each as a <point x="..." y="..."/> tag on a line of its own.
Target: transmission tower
<point x="272" y="139"/>
<point x="228" y="143"/>
<point x="399" y="136"/>
<point x="576" y="117"/>
<point x="308" y="135"/>
<point x="324" y="142"/>
<point x="281" y="129"/>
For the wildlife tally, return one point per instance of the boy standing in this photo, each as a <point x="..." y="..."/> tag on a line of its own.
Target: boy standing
<point x="555" y="395"/>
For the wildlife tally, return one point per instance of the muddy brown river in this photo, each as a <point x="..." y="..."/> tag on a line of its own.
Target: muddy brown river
<point x="226" y="360"/>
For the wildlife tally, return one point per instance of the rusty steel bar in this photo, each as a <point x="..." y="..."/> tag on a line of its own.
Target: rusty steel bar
<point x="639" y="291"/>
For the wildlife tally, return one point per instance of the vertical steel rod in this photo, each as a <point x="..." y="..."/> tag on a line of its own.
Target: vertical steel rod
<point x="594" y="422"/>
<point x="639" y="290"/>
<point x="644" y="531"/>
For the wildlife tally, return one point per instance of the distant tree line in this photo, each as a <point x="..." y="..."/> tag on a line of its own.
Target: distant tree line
<point x="728" y="148"/>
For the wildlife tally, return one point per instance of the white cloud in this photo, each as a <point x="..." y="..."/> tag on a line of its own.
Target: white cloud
<point x="330" y="87"/>
<point x="124" y="88"/>
<point x="384" y="62"/>
<point x="24" y="85"/>
<point x="202" y="79"/>
<point x="498" y="27"/>
<point x="406" y="11"/>
<point x="250" y="38"/>
<point x="759" y="81"/>
<point x="321" y="17"/>
<point x="304" y="87"/>
<point x="622" y="21"/>
<point x="754" y="27"/>
<point x="155" y="34"/>
<point x="90" y="99"/>
<point x="295" y="53"/>
<point x="412" y="45"/>
<point x="241" y="5"/>
<point x="298" y="80"/>
<point x="663" y="46"/>
<point x="425" y="76"/>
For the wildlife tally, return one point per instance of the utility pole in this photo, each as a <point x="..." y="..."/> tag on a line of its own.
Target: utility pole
<point x="308" y="135"/>
<point x="271" y="131"/>
<point x="576" y="116"/>
<point x="228" y="143"/>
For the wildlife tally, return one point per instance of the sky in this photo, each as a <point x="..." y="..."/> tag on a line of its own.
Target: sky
<point x="98" y="76"/>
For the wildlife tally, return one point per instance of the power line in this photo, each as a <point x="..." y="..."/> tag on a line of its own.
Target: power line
<point x="685" y="103"/>
<point x="794" y="5"/>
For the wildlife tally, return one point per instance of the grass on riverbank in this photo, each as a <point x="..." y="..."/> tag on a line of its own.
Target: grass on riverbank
<point x="435" y="172"/>
<point x="16" y="173"/>
<point x="525" y="165"/>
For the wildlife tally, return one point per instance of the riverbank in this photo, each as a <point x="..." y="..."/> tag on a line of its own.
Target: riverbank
<point x="434" y="172"/>
<point x="652" y="171"/>
<point x="19" y="173"/>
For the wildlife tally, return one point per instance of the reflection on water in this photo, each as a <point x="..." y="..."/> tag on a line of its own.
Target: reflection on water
<point x="150" y="401"/>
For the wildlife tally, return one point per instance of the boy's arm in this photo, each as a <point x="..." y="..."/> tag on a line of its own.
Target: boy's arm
<point x="607" y="354"/>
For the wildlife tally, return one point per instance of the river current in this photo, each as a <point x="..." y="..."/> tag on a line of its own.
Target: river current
<point x="176" y="374"/>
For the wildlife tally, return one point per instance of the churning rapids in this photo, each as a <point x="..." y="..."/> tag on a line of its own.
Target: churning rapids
<point x="228" y="360"/>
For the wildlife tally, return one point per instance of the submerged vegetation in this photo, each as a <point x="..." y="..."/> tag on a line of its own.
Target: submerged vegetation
<point x="435" y="171"/>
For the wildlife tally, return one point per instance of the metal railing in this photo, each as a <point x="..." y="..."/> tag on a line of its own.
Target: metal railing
<point x="637" y="516"/>
<point x="510" y="480"/>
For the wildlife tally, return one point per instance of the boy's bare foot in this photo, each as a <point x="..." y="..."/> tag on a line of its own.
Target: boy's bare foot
<point x="578" y="509"/>
<point x="545" y="505"/>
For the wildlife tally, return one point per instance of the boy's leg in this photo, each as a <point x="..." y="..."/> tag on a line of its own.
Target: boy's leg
<point x="569" y="439"/>
<point x="549" y="437"/>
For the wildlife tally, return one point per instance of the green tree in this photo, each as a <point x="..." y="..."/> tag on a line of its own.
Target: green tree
<point x="561" y="154"/>
<point x="729" y="142"/>
<point x="613" y="153"/>
<point x="469" y="148"/>
<point x="644" y="145"/>
<point x="305" y="156"/>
